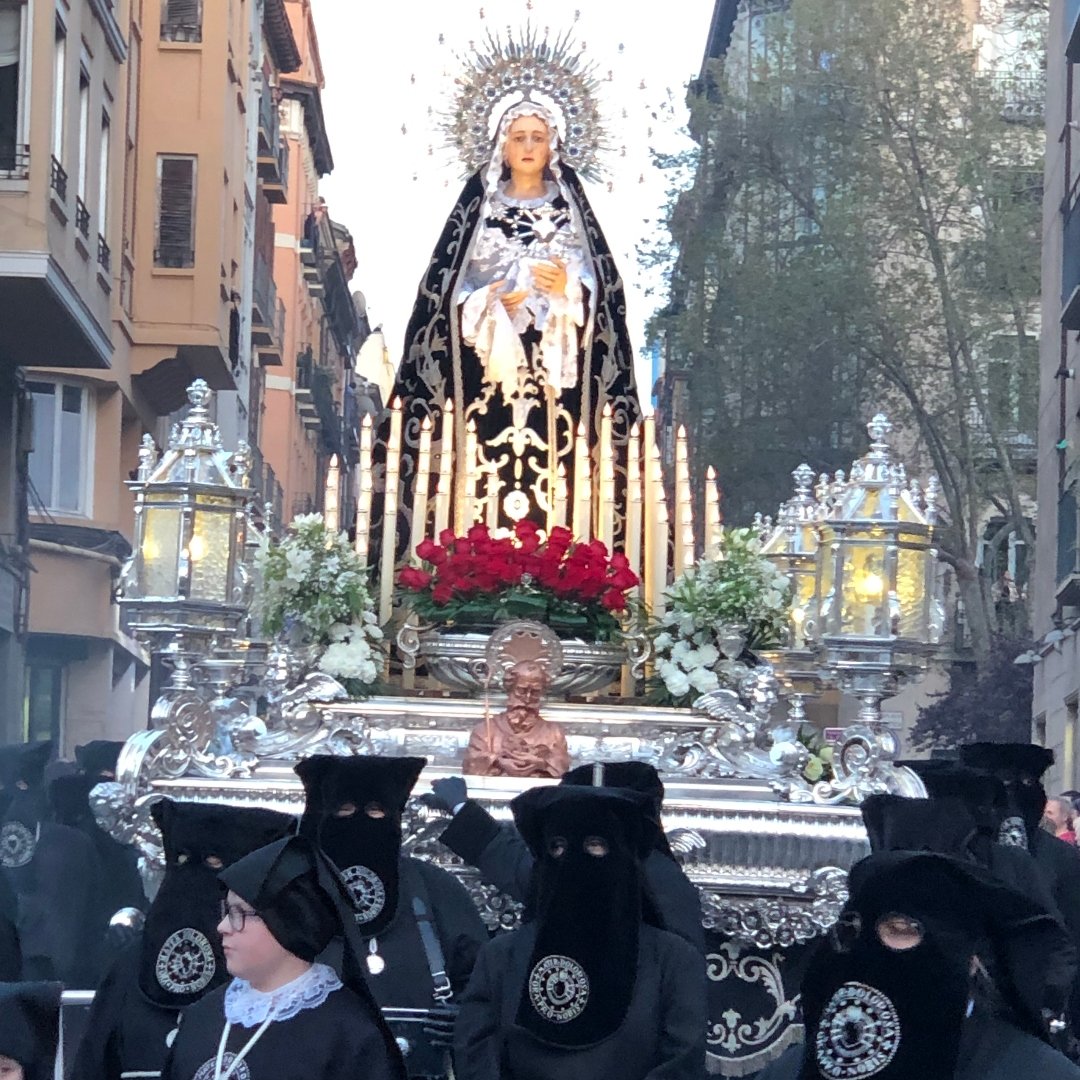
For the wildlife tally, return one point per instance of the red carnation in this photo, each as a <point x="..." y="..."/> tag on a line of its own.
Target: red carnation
<point x="442" y="593"/>
<point x="614" y="600"/>
<point x="412" y="577"/>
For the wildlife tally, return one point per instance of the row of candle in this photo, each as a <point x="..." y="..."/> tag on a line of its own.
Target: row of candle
<point x="590" y="510"/>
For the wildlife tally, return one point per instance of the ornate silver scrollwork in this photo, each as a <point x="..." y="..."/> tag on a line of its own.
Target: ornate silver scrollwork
<point x="864" y="765"/>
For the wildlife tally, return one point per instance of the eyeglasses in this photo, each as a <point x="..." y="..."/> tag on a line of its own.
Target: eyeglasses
<point x="237" y="915"/>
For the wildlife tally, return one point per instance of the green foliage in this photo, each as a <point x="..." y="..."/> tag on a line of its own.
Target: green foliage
<point x="862" y="230"/>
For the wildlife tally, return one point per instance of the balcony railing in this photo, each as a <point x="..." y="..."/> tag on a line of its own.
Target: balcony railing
<point x="326" y="408"/>
<point x="1021" y="97"/>
<point x="264" y="302"/>
<point x="269" y="120"/>
<point x="58" y="180"/>
<point x="274" y="172"/>
<point x="104" y="255"/>
<point x="270" y="340"/>
<point x="14" y="161"/>
<point x="82" y="217"/>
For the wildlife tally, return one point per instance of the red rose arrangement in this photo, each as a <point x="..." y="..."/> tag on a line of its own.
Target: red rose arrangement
<point x="575" y="588"/>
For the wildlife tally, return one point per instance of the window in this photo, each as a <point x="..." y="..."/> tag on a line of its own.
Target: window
<point x="103" y="174"/>
<point x="176" y="211"/>
<point x="58" y="462"/>
<point x="181" y="20"/>
<point x="14" y="155"/>
<point x="44" y="701"/>
<point x="84" y="131"/>
<point x="59" y="69"/>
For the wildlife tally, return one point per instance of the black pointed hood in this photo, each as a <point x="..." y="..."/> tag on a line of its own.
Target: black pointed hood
<point x="364" y="841"/>
<point x="181" y="958"/>
<point x="896" y="823"/>
<point x="99" y="758"/>
<point x="1020" y="767"/>
<point x="23" y="802"/>
<point x="30" y="1026"/>
<point x="588" y="843"/>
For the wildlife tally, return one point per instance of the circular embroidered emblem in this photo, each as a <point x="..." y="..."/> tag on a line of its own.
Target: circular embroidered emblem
<point x="1012" y="832"/>
<point x="17" y="844"/>
<point x="858" y="1034"/>
<point x="186" y="962"/>
<point x="207" y="1069"/>
<point x="559" y="989"/>
<point x="367" y="891"/>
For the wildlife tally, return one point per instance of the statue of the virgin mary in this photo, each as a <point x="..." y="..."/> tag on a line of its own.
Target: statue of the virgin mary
<point x="520" y="319"/>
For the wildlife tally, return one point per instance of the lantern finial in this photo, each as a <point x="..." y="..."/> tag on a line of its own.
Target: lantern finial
<point x="878" y="429"/>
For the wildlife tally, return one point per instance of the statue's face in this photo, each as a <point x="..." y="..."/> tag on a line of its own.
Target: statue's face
<point x="524" y="694"/>
<point x="528" y="147"/>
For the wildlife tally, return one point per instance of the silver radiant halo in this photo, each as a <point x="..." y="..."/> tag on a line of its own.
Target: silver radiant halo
<point x="858" y="1033"/>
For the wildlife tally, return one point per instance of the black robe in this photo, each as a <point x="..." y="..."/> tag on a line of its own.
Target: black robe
<point x="990" y="1049"/>
<point x="59" y="923"/>
<point x="406" y="982"/>
<point x="661" y="1038"/>
<point x="334" y="1041"/>
<point x="10" y="953"/>
<point x="504" y="860"/>
<point x="126" y="1033"/>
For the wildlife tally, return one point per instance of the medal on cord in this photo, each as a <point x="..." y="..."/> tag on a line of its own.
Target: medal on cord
<point x="375" y="963"/>
<point x="220" y="1060"/>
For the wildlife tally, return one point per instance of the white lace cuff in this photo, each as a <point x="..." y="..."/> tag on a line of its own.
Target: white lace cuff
<point x="248" y="1007"/>
<point x="486" y="326"/>
<point x="559" y="345"/>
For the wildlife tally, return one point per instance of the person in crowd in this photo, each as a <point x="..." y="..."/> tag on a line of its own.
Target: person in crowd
<point x="934" y="970"/>
<point x="29" y="1029"/>
<point x="504" y="859"/>
<point x="591" y="986"/>
<point x="1059" y="816"/>
<point x="421" y="930"/>
<point x="284" y="1015"/>
<point x="945" y="825"/>
<point x="179" y="957"/>
<point x="98" y="759"/>
<point x="54" y="872"/>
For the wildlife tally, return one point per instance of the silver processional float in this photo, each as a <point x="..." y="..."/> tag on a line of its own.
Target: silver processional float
<point x="568" y="549"/>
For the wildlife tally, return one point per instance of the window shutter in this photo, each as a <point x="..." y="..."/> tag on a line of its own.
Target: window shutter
<point x="176" y="212"/>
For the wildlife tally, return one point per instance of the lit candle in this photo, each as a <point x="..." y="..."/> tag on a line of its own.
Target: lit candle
<point x="491" y="499"/>
<point x="332" y="500"/>
<point x="605" y="526"/>
<point x="632" y="545"/>
<point x="648" y="575"/>
<point x="560" y="496"/>
<point x="582" y="525"/>
<point x="684" y="507"/>
<point x="390" y="510"/>
<point x="363" y="501"/>
<point x="446" y="465"/>
<point x="660" y="549"/>
<point x="468" y="502"/>
<point x="420" y="491"/>
<point x="712" y="511"/>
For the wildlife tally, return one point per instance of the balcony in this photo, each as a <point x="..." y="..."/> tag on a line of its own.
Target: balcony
<point x="14" y="161"/>
<point x="274" y="172"/>
<point x="305" y="401"/>
<point x="82" y="218"/>
<point x="271" y="352"/>
<point x="58" y="179"/>
<point x="1021" y="97"/>
<point x="326" y="409"/>
<point x="269" y="120"/>
<point x="104" y="255"/>
<point x="264" y="304"/>
<point x="1068" y="555"/>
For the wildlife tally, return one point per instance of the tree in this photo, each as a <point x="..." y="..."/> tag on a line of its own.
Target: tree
<point x="864" y="229"/>
<point x="991" y="704"/>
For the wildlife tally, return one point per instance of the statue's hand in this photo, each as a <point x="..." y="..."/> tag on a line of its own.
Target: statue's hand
<point x="550" y="277"/>
<point x="511" y="301"/>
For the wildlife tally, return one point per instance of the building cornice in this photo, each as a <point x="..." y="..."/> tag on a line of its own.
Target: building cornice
<point x="114" y="38"/>
<point x="280" y="37"/>
<point x="314" y="121"/>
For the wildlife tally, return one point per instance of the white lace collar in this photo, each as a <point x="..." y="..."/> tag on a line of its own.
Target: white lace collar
<point x="248" y="1007"/>
<point x="551" y="191"/>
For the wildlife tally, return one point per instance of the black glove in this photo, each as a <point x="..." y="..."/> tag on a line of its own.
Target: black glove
<point x="439" y="1025"/>
<point x="446" y="794"/>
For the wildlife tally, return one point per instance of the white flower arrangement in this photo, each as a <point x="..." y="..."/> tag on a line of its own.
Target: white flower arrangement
<point x="314" y="587"/>
<point x="733" y="589"/>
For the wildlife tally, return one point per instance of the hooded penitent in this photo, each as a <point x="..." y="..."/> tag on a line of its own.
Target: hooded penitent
<point x="99" y="758"/>
<point x="896" y="1011"/>
<point x="632" y="776"/>
<point x="895" y="823"/>
<point x="1020" y="767"/>
<point x="588" y="844"/>
<point x="181" y="955"/>
<point x="23" y="805"/>
<point x="30" y="1026"/>
<point x="353" y="811"/>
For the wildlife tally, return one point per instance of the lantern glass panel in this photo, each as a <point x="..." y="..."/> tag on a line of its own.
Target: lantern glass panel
<point x="911" y="585"/>
<point x="160" y="551"/>
<point x="209" y="550"/>
<point x="865" y="586"/>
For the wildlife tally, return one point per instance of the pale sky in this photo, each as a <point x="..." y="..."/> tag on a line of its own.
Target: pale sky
<point x="385" y="68"/>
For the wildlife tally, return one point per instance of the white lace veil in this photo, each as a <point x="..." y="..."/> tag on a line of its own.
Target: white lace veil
<point x="493" y="173"/>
